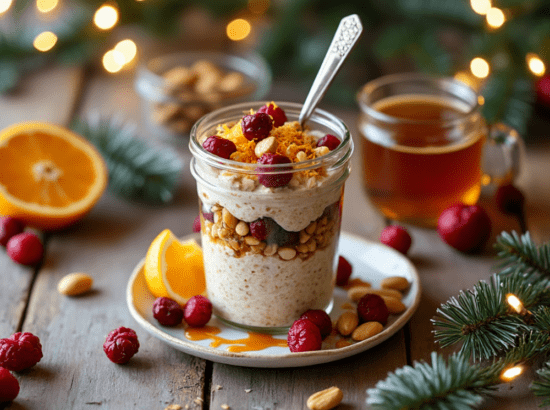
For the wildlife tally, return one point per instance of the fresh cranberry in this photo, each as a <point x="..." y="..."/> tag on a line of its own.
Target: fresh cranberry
<point x="256" y="126"/>
<point x="274" y="180"/>
<point x="197" y="311"/>
<point x="25" y="248"/>
<point x="20" y="351"/>
<point x="277" y="113"/>
<point x="197" y="224"/>
<point x="509" y="199"/>
<point x="329" y="141"/>
<point x="304" y="336"/>
<point x="259" y="229"/>
<point x="121" y="345"/>
<point x="9" y="386"/>
<point x="167" y="311"/>
<point x="372" y="308"/>
<point x="343" y="272"/>
<point x="219" y="146"/>
<point x="464" y="227"/>
<point x="321" y="320"/>
<point x="396" y="237"/>
<point x="9" y="227"/>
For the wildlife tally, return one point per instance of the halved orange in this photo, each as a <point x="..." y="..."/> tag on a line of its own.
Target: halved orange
<point x="50" y="177"/>
<point x="174" y="269"/>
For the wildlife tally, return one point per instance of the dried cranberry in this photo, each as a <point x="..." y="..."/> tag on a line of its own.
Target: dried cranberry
<point x="20" y="351"/>
<point x="9" y="227"/>
<point x="219" y="146"/>
<point x="304" y="336"/>
<point x="396" y="237"/>
<point x="25" y="248"/>
<point x="256" y="126"/>
<point x="259" y="229"/>
<point x="167" y="311"/>
<point x="329" y="141"/>
<point x="321" y="320"/>
<point x="372" y="308"/>
<point x="464" y="227"/>
<point x="509" y="199"/>
<point x="274" y="180"/>
<point x="277" y="113"/>
<point x="343" y="272"/>
<point x="197" y="311"/>
<point x="197" y="224"/>
<point x="9" y="386"/>
<point x="121" y="345"/>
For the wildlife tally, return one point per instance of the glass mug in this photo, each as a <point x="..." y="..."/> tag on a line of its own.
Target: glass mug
<point x="426" y="146"/>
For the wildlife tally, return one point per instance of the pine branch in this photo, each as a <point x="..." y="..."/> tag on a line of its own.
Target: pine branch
<point x="137" y="171"/>
<point x="541" y="387"/>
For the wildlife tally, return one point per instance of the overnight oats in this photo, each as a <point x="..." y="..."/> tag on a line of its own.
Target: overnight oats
<point x="270" y="197"/>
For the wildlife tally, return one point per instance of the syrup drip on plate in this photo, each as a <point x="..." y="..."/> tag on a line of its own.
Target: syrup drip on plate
<point x="254" y="341"/>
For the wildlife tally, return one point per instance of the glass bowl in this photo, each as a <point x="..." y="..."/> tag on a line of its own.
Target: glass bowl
<point x="178" y="89"/>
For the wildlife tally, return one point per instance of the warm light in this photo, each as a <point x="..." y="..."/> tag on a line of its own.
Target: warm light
<point x="480" y="99"/>
<point x="5" y="5"/>
<point x="495" y="17"/>
<point x="258" y="6"/>
<point x="515" y="303"/>
<point x="106" y="17"/>
<point x="44" y="41"/>
<point x="113" y="61"/>
<point x="45" y="6"/>
<point x="127" y="48"/>
<point x="238" y="29"/>
<point x="536" y="65"/>
<point x="511" y="373"/>
<point x="481" y="6"/>
<point x="479" y="67"/>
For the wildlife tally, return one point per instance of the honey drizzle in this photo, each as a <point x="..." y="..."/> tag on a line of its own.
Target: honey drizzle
<point x="254" y="341"/>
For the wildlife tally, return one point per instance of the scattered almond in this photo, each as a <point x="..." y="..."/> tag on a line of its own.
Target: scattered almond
<point x="347" y="322"/>
<point x="357" y="292"/>
<point x="366" y="330"/>
<point x="342" y="343"/>
<point x="267" y="145"/>
<point x="395" y="282"/>
<point x="395" y="306"/>
<point x="75" y="284"/>
<point x="325" y="399"/>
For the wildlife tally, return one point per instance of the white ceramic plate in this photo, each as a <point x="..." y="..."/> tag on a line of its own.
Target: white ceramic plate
<point x="371" y="262"/>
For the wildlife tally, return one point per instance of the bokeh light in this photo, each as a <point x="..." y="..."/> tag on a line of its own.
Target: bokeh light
<point x="480" y="6"/>
<point x="127" y="48"/>
<point x="113" y="61"/>
<point x="536" y="65"/>
<point x="495" y="17"/>
<point x="106" y="17"/>
<point x="258" y="6"/>
<point x="45" y="41"/>
<point x="511" y="373"/>
<point x="514" y="302"/>
<point x="5" y="5"/>
<point x="238" y="29"/>
<point x="45" y="6"/>
<point x="479" y="67"/>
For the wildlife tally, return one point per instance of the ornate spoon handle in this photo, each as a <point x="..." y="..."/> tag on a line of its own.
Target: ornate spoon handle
<point x="347" y="34"/>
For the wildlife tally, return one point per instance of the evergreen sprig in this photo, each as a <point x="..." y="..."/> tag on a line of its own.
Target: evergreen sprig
<point x="541" y="386"/>
<point x="137" y="171"/>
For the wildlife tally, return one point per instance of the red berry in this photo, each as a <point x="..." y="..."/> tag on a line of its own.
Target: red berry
<point x="209" y="216"/>
<point x="167" y="311"/>
<point x="344" y="271"/>
<point x="321" y="319"/>
<point x="197" y="224"/>
<point x="304" y="336"/>
<point x="396" y="237"/>
<point x="277" y="113"/>
<point x="256" y="126"/>
<point x="274" y="180"/>
<point x="372" y="308"/>
<point x="20" y="351"/>
<point x="9" y="227"/>
<point x="25" y="248"/>
<point x="258" y="229"/>
<point x="197" y="311"/>
<point x="509" y="199"/>
<point x="542" y="87"/>
<point x="219" y="146"/>
<point x="121" y="345"/>
<point x="464" y="227"/>
<point x="329" y="141"/>
<point x="9" y="386"/>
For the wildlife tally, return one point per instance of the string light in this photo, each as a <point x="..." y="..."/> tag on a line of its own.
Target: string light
<point x="258" y="6"/>
<point x="495" y="17"/>
<point x="480" y="6"/>
<point x="127" y="48"/>
<point x="535" y="64"/>
<point x="479" y="67"/>
<point x="238" y="29"/>
<point x="45" y="6"/>
<point x="106" y="17"/>
<point x="113" y="61"/>
<point x="511" y="373"/>
<point x="515" y="303"/>
<point x="45" y="41"/>
<point x="5" y="5"/>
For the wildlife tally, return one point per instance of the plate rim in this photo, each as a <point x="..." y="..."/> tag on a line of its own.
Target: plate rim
<point x="290" y="359"/>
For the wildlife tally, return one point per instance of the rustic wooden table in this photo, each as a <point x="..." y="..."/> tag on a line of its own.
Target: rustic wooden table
<point x="74" y="372"/>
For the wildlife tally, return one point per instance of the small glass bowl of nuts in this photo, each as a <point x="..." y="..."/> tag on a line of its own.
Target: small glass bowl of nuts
<point x="178" y="89"/>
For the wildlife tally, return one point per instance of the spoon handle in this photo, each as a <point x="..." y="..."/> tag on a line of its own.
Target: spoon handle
<point x="347" y="34"/>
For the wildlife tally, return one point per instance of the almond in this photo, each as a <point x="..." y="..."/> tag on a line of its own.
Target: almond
<point x="75" y="284"/>
<point x="357" y="292"/>
<point x="395" y="306"/>
<point x="366" y="330"/>
<point x="347" y="322"/>
<point x="325" y="399"/>
<point x="395" y="282"/>
<point x="267" y="145"/>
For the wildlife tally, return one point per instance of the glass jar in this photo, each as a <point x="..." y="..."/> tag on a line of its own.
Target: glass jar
<point x="264" y="285"/>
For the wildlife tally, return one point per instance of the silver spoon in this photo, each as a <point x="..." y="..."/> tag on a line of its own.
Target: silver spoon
<point x="347" y="34"/>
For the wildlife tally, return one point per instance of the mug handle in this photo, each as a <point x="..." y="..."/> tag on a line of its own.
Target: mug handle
<point x="502" y="156"/>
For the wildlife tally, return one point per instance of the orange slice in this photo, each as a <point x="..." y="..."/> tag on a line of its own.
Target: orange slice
<point x="174" y="269"/>
<point x="49" y="176"/>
